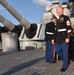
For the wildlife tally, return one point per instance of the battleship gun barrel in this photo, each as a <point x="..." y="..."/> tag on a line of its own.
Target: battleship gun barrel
<point x="7" y="23"/>
<point x="29" y="28"/>
<point x="21" y="19"/>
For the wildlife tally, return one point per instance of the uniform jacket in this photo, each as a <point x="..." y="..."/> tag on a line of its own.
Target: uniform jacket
<point x="72" y="37"/>
<point x="62" y="28"/>
<point x="72" y="32"/>
<point x="49" y="31"/>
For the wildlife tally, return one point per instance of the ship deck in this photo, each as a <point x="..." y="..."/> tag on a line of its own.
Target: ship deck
<point x="30" y="62"/>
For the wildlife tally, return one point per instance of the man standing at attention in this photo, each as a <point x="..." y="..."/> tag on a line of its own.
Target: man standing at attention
<point x="63" y="30"/>
<point x="49" y="38"/>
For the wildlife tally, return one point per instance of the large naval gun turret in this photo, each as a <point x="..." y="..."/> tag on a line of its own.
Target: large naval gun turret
<point x="27" y="30"/>
<point x="31" y="35"/>
<point x="30" y="28"/>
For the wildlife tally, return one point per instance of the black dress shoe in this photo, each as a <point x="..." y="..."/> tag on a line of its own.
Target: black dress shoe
<point x="72" y="60"/>
<point x="54" y="62"/>
<point x="69" y="62"/>
<point x="63" y="70"/>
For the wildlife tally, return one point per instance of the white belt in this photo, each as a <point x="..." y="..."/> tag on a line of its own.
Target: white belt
<point x="60" y="30"/>
<point x="49" y="33"/>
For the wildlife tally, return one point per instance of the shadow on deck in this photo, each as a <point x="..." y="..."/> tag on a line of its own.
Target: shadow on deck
<point x="30" y="62"/>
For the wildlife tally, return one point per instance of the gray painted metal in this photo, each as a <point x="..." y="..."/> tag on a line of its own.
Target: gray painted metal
<point x="7" y="23"/>
<point x="9" y="42"/>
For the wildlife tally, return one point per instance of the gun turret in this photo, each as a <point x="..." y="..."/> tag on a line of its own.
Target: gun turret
<point x="30" y="29"/>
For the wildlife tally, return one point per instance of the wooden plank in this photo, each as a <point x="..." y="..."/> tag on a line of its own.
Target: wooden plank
<point x="31" y="62"/>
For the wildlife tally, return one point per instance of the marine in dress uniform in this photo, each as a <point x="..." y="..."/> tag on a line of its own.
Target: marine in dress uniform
<point x="49" y="38"/>
<point x="63" y="30"/>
